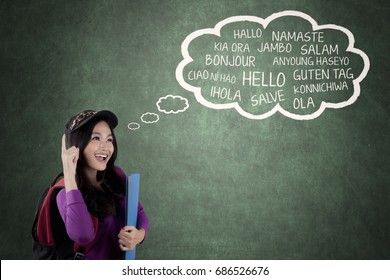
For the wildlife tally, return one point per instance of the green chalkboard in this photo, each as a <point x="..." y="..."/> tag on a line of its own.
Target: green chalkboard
<point x="260" y="129"/>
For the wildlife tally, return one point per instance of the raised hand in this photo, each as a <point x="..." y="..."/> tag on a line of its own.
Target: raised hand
<point x="69" y="164"/>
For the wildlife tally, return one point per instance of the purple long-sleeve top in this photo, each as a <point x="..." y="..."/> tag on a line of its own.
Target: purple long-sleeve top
<point x="80" y="228"/>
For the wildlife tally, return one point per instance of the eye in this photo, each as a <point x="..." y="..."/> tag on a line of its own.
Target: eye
<point x="110" y="140"/>
<point x="95" y="138"/>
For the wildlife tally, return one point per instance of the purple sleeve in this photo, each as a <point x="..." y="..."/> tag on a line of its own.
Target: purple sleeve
<point x="74" y="213"/>
<point x="142" y="219"/>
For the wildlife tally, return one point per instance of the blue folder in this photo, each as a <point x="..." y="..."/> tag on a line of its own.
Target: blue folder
<point x="132" y="191"/>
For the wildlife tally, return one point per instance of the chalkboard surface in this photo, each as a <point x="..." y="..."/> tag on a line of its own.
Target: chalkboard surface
<point x="260" y="128"/>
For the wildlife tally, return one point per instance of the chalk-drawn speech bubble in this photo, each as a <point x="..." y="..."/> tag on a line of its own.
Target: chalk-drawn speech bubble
<point x="284" y="63"/>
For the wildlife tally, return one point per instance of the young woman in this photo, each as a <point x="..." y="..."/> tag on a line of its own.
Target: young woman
<point x="92" y="204"/>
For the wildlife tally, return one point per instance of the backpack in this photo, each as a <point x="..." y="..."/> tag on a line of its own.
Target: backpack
<point x="50" y="240"/>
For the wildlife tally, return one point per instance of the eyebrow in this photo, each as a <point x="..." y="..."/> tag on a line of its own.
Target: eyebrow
<point x="98" y="133"/>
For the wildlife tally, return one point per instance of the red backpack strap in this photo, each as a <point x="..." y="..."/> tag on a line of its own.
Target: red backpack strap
<point x="44" y="232"/>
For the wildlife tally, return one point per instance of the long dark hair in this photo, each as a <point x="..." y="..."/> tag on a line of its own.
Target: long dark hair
<point x="100" y="202"/>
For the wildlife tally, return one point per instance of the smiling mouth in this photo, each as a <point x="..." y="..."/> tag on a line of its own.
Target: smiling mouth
<point x="101" y="157"/>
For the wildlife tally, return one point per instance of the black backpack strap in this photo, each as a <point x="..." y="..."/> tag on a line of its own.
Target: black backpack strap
<point x="57" y="178"/>
<point x="37" y="211"/>
<point x="79" y="255"/>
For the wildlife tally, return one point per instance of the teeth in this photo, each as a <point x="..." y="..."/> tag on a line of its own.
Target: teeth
<point x="100" y="155"/>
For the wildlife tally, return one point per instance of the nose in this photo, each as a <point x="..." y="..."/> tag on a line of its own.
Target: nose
<point x="103" y="145"/>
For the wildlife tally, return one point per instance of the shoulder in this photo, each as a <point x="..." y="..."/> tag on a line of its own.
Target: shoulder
<point x="121" y="174"/>
<point x="119" y="171"/>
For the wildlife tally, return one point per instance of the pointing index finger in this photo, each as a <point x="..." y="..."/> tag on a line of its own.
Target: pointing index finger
<point x="63" y="143"/>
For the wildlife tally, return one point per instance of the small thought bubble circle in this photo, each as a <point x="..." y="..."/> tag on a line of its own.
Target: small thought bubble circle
<point x="149" y="118"/>
<point x="133" y="126"/>
<point x="172" y="104"/>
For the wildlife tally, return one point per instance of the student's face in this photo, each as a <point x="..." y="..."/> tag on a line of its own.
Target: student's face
<point x="100" y="147"/>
